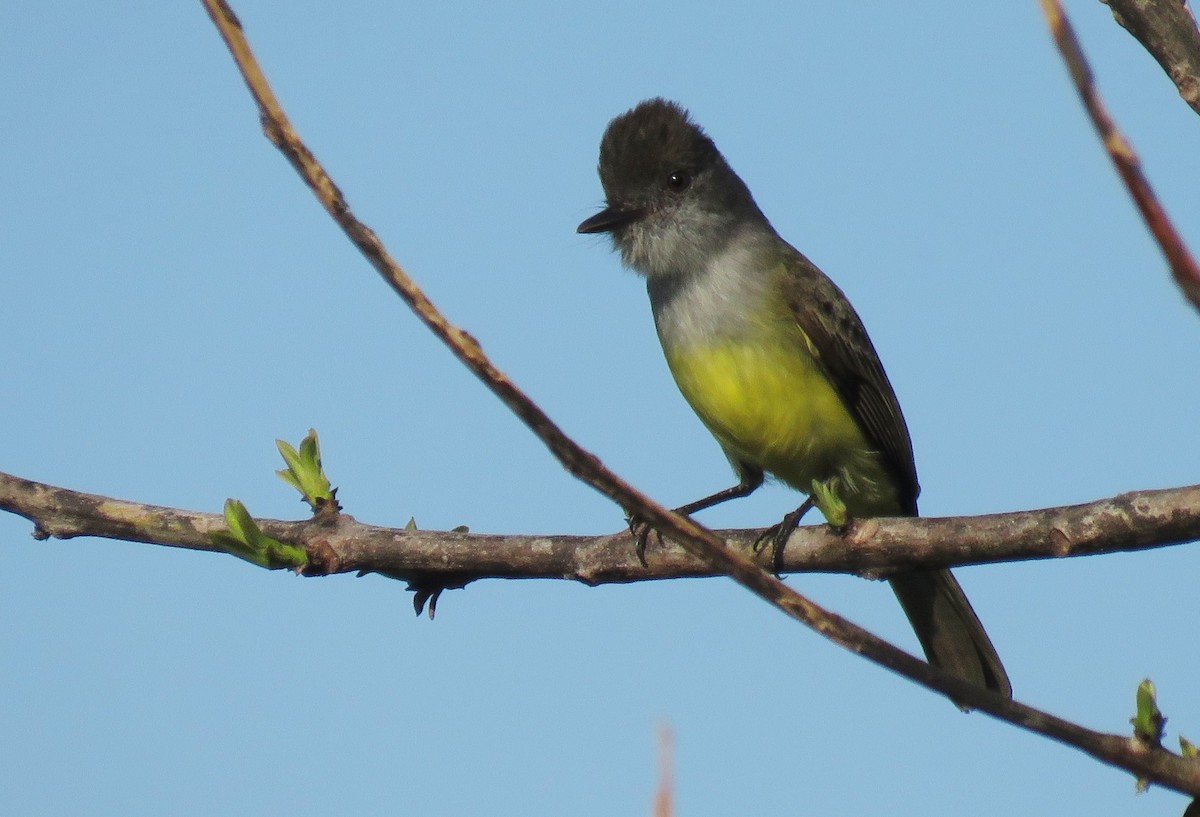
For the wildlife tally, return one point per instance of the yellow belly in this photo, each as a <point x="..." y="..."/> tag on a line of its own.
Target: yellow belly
<point x="771" y="406"/>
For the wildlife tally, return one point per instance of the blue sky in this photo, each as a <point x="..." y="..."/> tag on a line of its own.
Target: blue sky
<point x="174" y="300"/>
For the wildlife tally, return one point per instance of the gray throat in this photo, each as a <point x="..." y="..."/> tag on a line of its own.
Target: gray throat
<point x="720" y="298"/>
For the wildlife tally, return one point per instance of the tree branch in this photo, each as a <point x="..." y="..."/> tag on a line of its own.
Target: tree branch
<point x="1167" y="29"/>
<point x="1183" y="266"/>
<point x="1134" y="521"/>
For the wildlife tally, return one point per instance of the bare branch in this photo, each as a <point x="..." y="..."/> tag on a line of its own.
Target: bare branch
<point x="1183" y="265"/>
<point x="1167" y="29"/>
<point x="1134" y="521"/>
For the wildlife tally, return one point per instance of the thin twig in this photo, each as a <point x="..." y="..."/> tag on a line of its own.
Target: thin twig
<point x="1183" y="265"/>
<point x="664" y="797"/>
<point x="1153" y="764"/>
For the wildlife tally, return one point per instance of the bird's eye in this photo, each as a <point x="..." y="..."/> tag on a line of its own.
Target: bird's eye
<point x="679" y="180"/>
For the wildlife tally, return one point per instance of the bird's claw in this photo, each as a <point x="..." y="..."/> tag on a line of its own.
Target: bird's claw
<point x="778" y="534"/>
<point x="641" y="530"/>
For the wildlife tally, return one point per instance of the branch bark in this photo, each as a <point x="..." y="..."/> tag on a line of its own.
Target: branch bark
<point x="1167" y="29"/>
<point x="1133" y="521"/>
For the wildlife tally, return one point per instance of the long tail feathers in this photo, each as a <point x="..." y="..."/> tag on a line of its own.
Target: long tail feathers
<point x="948" y="629"/>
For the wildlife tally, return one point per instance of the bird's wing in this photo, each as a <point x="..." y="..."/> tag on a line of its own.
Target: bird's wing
<point x="845" y="353"/>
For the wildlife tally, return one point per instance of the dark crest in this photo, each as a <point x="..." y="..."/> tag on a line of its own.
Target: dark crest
<point x="644" y="146"/>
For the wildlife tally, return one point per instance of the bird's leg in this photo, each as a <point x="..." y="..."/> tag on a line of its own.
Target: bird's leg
<point x="824" y="496"/>
<point x="777" y="535"/>
<point x="751" y="480"/>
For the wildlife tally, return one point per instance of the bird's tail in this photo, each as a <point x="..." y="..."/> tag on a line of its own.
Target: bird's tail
<point x="948" y="629"/>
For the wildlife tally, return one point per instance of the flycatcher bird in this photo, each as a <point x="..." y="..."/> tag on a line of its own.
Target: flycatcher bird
<point x="771" y="356"/>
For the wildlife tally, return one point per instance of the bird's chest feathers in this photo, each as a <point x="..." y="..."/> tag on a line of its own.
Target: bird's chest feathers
<point x="767" y="404"/>
<point x="748" y="370"/>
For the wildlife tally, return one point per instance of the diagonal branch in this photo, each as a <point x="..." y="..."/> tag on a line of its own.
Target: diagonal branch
<point x="1151" y="763"/>
<point x="1183" y="265"/>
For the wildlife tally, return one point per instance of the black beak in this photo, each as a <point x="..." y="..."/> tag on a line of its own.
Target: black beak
<point x="608" y="219"/>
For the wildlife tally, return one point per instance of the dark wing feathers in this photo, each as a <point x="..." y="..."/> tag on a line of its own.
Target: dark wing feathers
<point x="849" y="360"/>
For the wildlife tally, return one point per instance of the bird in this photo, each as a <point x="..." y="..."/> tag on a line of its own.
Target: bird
<point x="772" y="357"/>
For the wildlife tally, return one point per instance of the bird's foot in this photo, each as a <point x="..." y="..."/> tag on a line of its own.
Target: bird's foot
<point x="777" y="535"/>
<point x="641" y="530"/>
